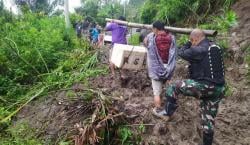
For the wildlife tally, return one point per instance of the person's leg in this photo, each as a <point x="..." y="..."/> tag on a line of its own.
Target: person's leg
<point x="210" y="98"/>
<point x="111" y="65"/>
<point x="123" y="73"/>
<point x="209" y="109"/>
<point x="112" y="68"/>
<point x="157" y="89"/>
<point x="186" y="87"/>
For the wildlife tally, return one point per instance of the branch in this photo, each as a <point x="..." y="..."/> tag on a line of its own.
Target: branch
<point x="171" y="29"/>
<point x="18" y="109"/>
<point x="16" y="51"/>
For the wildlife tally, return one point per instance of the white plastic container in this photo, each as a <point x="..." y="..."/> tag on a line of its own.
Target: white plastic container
<point x="129" y="57"/>
<point x="107" y="39"/>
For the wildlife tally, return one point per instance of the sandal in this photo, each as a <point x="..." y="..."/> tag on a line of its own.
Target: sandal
<point x="162" y="114"/>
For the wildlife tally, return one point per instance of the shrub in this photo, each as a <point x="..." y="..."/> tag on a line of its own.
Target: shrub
<point x="134" y="39"/>
<point x="179" y="11"/>
<point x="31" y="46"/>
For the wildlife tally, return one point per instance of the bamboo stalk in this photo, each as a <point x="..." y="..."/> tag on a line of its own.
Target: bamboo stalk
<point x="187" y="31"/>
<point x="16" y="51"/>
<point x="18" y="109"/>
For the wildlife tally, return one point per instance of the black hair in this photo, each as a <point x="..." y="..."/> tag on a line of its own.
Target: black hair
<point x="93" y="25"/>
<point x="88" y="19"/>
<point x="122" y="18"/>
<point x="158" y="25"/>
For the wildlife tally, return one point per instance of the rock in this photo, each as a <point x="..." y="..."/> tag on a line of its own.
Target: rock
<point x="233" y="34"/>
<point x="230" y="69"/>
<point x="243" y="71"/>
<point x="160" y="129"/>
<point x="78" y="87"/>
<point x="183" y="143"/>
<point x="244" y="45"/>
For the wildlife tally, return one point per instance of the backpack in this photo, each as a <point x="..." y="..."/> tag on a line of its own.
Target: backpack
<point x="216" y="64"/>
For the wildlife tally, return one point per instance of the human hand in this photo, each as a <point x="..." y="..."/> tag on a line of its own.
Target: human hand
<point x="167" y="82"/>
<point x="145" y="41"/>
<point x="188" y="44"/>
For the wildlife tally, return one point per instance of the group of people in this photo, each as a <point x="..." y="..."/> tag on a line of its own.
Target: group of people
<point x="206" y="72"/>
<point x="88" y="30"/>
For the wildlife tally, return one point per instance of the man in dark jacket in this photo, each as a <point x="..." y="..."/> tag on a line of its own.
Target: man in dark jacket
<point x="206" y="81"/>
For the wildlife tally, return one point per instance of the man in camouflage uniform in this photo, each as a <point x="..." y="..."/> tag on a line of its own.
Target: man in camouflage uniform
<point x="206" y="81"/>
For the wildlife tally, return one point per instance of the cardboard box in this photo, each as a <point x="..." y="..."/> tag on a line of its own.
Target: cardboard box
<point x="107" y="39"/>
<point x="129" y="57"/>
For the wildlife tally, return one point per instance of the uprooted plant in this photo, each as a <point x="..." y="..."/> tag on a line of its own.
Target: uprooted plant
<point x="103" y="120"/>
<point x="106" y="122"/>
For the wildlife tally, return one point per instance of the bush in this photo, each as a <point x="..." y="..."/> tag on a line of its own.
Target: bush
<point x="21" y="134"/>
<point x="37" y="55"/>
<point x="221" y="23"/>
<point x="179" y="11"/>
<point x="134" y="39"/>
<point x="31" y="46"/>
<point x="36" y="50"/>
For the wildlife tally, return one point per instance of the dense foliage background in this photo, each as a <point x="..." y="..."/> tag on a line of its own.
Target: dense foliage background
<point x="37" y="52"/>
<point x="182" y="11"/>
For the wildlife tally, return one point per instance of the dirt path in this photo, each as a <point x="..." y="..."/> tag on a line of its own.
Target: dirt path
<point x="232" y="123"/>
<point x="56" y="115"/>
<point x="240" y="34"/>
<point x="242" y="9"/>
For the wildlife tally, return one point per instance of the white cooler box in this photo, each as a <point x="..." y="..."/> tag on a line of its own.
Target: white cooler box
<point x="129" y="57"/>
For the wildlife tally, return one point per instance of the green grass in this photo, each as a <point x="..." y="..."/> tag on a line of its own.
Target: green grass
<point x="20" y="134"/>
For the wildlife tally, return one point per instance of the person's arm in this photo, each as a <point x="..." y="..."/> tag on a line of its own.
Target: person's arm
<point x="146" y="39"/>
<point x="190" y="53"/>
<point x="109" y="27"/>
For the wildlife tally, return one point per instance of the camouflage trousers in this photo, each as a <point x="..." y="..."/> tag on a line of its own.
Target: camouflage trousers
<point x="210" y="96"/>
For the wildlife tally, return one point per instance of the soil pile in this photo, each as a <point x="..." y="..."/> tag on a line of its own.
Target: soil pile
<point x="57" y="115"/>
<point x="138" y="102"/>
<point x="241" y="32"/>
<point x="232" y="123"/>
<point x="240" y="38"/>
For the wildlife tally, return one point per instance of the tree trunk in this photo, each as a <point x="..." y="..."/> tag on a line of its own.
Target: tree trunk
<point x="171" y="29"/>
<point x="66" y="13"/>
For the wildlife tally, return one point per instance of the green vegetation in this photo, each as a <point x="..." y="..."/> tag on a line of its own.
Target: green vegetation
<point x="125" y="134"/>
<point x="36" y="57"/>
<point x="20" y="134"/>
<point x="215" y="15"/>
<point x="35" y="50"/>
<point x="130" y="135"/>
<point x="182" y="11"/>
<point x="134" y="39"/>
<point x="39" y="6"/>
<point x="99" y="10"/>
<point x="222" y="23"/>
